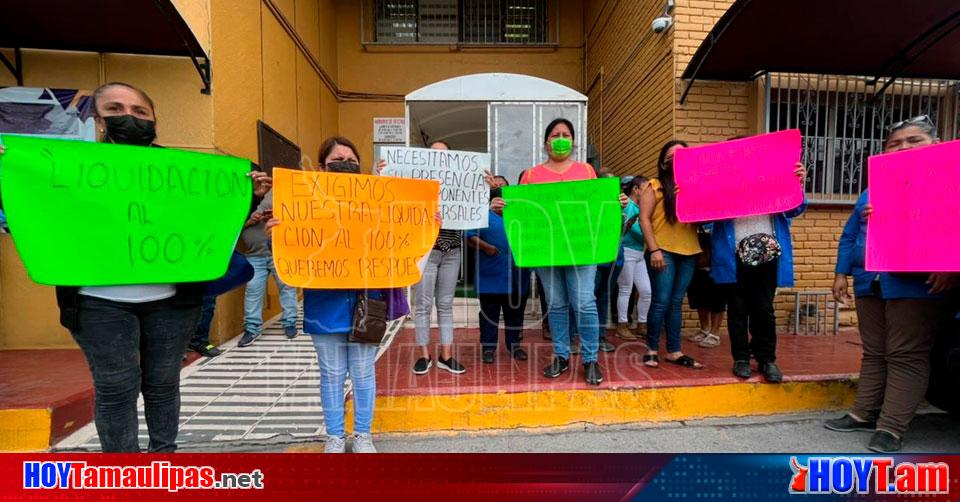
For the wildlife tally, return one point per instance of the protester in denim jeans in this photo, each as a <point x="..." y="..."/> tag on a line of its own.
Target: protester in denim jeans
<point x="671" y="253"/>
<point x="571" y="286"/>
<point x="133" y="336"/>
<point x="328" y="319"/>
<point x="260" y="256"/>
<point x="200" y="341"/>
<point x="438" y="285"/>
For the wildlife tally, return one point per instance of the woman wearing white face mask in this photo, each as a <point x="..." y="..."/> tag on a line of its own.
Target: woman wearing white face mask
<point x="134" y="336"/>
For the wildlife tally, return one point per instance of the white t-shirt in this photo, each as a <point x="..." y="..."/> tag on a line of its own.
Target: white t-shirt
<point x="751" y="225"/>
<point x="131" y="294"/>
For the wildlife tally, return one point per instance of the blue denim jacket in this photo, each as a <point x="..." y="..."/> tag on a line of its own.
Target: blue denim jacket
<point x="851" y="259"/>
<point x="723" y="248"/>
<point x="330" y="311"/>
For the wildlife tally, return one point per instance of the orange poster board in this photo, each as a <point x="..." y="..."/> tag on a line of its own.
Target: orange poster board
<point x="351" y="231"/>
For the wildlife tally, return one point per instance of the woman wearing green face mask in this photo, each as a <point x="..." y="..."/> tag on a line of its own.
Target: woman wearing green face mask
<point x="567" y="286"/>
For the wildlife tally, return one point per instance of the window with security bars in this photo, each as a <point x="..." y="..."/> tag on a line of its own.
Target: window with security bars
<point x="843" y="122"/>
<point x="479" y="22"/>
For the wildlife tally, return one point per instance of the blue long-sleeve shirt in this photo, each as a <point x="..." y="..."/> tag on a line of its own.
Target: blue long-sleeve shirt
<point x="723" y="247"/>
<point x="851" y="259"/>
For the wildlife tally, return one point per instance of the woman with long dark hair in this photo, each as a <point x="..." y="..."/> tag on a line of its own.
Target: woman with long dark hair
<point x="671" y="251"/>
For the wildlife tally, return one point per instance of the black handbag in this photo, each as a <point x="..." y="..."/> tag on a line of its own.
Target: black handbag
<point x="369" y="321"/>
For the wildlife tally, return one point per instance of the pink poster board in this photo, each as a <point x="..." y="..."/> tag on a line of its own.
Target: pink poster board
<point x="915" y="196"/>
<point x="743" y="177"/>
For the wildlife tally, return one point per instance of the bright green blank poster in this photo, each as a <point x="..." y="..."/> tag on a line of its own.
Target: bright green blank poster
<point x="560" y="224"/>
<point x="95" y="214"/>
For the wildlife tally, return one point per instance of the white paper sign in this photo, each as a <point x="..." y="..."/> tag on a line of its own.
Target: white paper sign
<point x="389" y="130"/>
<point x="464" y="194"/>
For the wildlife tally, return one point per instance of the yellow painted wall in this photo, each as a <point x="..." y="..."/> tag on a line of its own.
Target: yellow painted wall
<point x="28" y="312"/>
<point x="398" y="71"/>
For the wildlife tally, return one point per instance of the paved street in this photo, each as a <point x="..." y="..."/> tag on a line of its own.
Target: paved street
<point x="932" y="432"/>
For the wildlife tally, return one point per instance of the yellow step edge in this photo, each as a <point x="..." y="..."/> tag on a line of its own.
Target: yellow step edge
<point x="25" y="429"/>
<point x="556" y="408"/>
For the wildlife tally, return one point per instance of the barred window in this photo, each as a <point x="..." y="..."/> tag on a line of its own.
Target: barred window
<point x="844" y="122"/>
<point x="482" y="22"/>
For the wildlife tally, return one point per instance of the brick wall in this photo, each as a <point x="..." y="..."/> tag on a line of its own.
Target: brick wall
<point x="628" y="78"/>
<point x="715" y="111"/>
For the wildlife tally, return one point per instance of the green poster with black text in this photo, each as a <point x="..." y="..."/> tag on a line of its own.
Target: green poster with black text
<point x="97" y="214"/>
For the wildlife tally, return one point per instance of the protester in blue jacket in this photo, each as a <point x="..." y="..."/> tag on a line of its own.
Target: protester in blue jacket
<point x="328" y="319"/>
<point x="501" y="286"/>
<point x="899" y="314"/>
<point x="754" y="255"/>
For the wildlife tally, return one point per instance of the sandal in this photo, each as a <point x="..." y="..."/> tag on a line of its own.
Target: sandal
<point x="698" y="336"/>
<point x="710" y="341"/>
<point x="651" y="358"/>
<point x="686" y="361"/>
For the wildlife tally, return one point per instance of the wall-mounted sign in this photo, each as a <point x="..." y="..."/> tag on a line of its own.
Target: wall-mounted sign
<point x="390" y="130"/>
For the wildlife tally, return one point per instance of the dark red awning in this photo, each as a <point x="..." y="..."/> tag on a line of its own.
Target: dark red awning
<point x="150" y="27"/>
<point x="876" y="38"/>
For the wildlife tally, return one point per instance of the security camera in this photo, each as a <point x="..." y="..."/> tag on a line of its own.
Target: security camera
<point x="662" y="24"/>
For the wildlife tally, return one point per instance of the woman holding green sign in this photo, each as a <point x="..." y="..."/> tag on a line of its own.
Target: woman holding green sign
<point x="134" y="336"/>
<point x="572" y="285"/>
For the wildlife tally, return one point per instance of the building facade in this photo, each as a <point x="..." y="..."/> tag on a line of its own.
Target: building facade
<point x="313" y="68"/>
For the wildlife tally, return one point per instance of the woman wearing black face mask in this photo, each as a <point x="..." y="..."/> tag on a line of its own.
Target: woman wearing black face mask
<point x="134" y="336"/>
<point x="328" y="320"/>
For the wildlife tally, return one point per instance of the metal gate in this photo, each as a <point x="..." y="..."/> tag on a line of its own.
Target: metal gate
<point x="515" y="134"/>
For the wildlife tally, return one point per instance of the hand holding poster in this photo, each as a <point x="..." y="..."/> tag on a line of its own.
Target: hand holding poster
<point x="743" y="177"/>
<point x="97" y="214"/>
<point x="464" y="194"/>
<point x="915" y="196"/>
<point x="560" y="224"/>
<point x="351" y="231"/>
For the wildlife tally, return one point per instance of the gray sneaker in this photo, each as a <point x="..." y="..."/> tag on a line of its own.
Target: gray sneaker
<point x="363" y="443"/>
<point x="291" y="332"/>
<point x="335" y="444"/>
<point x="248" y="338"/>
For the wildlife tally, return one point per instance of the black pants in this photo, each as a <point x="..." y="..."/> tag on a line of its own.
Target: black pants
<point x="513" y="305"/>
<point x="750" y="308"/>
<point x="133" y="348"/>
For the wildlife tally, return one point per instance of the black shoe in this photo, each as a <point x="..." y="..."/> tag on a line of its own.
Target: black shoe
<point x="741" y="369"/>
<point x="422" y="366"/>
<point x="606" y="346"/>
<point x="488" y="357"/>
<point x="248" y="338"/>
<point x="450" y="365"/>
<point x="557" y="367"/>
<point x="290" y="332"/>
<point x="206" y="350"/>
<point x="591" y="373"/>
<point x="884" y="442"/>
<point x="771" y="372"/>
<point x="519" y="354"/>
<point x="847" y="423"/>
